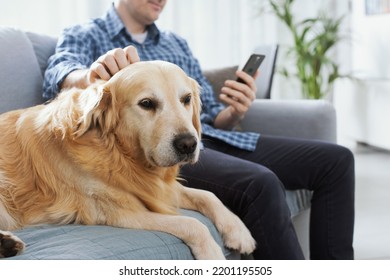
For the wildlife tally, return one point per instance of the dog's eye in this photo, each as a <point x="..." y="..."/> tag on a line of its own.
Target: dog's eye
<point x="187" y="99"/>
<point x="147" y="104"/>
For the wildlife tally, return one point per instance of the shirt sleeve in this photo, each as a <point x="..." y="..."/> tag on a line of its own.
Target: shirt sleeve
<point x="73" y="52"/>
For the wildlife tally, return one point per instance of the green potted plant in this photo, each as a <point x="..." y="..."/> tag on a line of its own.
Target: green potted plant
<point x="313" y="40"/>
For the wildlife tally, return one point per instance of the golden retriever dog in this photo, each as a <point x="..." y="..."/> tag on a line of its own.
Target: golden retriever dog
<point x="110" y="155"/>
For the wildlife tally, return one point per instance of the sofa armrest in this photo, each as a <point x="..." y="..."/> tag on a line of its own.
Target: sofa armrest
<point x="309" y="119"/>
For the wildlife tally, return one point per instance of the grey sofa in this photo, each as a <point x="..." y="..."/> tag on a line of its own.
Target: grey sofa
<point x="23" y="61"/>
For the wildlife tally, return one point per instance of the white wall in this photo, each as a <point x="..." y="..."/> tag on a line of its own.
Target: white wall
<point x="371" y="43"/>
<point x="363" y="105"/>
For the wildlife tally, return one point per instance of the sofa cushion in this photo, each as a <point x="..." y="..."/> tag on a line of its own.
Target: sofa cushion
<point x="72" y="242"/>
<point x="20" y="75"/>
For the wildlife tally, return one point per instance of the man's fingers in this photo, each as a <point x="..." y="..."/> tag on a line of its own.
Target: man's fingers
<point x="120" y="58"/>
<point x="242" y="88"/>
<point x="131" y="54"/>
<point x="249" y="81"/>
<point x="98" y="71"/>
<point x="239" y="109"/>
<point x="112" y="62"/>
<point x="111" y="65"/>
<point x="238" y="96"/>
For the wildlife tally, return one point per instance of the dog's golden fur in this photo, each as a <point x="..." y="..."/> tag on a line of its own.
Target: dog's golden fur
<point x="107" y="155"/>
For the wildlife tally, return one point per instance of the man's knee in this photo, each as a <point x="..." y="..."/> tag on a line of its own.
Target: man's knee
<point x="343" y="158"/>
<point x="263" y="182"/>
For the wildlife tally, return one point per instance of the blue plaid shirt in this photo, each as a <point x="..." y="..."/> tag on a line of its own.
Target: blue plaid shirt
<point x="81" y="45"/>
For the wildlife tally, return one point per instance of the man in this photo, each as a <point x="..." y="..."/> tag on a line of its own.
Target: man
<point x="246" y="171"/>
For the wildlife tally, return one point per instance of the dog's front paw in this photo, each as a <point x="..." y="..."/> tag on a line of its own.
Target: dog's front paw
<point x="209" y="250"/>
<point x="236" y="235"/>
<point x="10" y="245"/>
<point x="202" y="243"/>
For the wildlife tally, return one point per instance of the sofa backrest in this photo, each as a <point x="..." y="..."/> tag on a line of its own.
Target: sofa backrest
<point x="44" y="46"/>
<point x="23" y="59"/>
<point x="267" y="70"/>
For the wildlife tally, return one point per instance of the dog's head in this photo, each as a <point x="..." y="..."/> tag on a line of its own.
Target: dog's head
<point x="152" y="108"/>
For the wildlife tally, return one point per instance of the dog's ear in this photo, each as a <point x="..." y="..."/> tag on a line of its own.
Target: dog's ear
<point x="196" y="103"/>
<point x="97" y="110"/>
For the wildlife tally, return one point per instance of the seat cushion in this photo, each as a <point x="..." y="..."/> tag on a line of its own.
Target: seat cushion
<point x="70" y="242"/>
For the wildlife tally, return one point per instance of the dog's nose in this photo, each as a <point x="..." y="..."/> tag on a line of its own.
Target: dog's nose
<point x="185" y="144"/>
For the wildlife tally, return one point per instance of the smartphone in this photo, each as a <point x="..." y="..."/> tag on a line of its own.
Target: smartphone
<point x="252" y="65"/>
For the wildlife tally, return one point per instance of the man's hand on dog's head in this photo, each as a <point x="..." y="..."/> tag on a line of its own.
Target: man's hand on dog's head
<point x="103" y="68"/>
<point x="112" y="62"/>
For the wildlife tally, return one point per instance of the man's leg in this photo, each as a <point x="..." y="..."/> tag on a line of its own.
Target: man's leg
<point x="255" y="194"/>
<point x="325" y="168"/>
